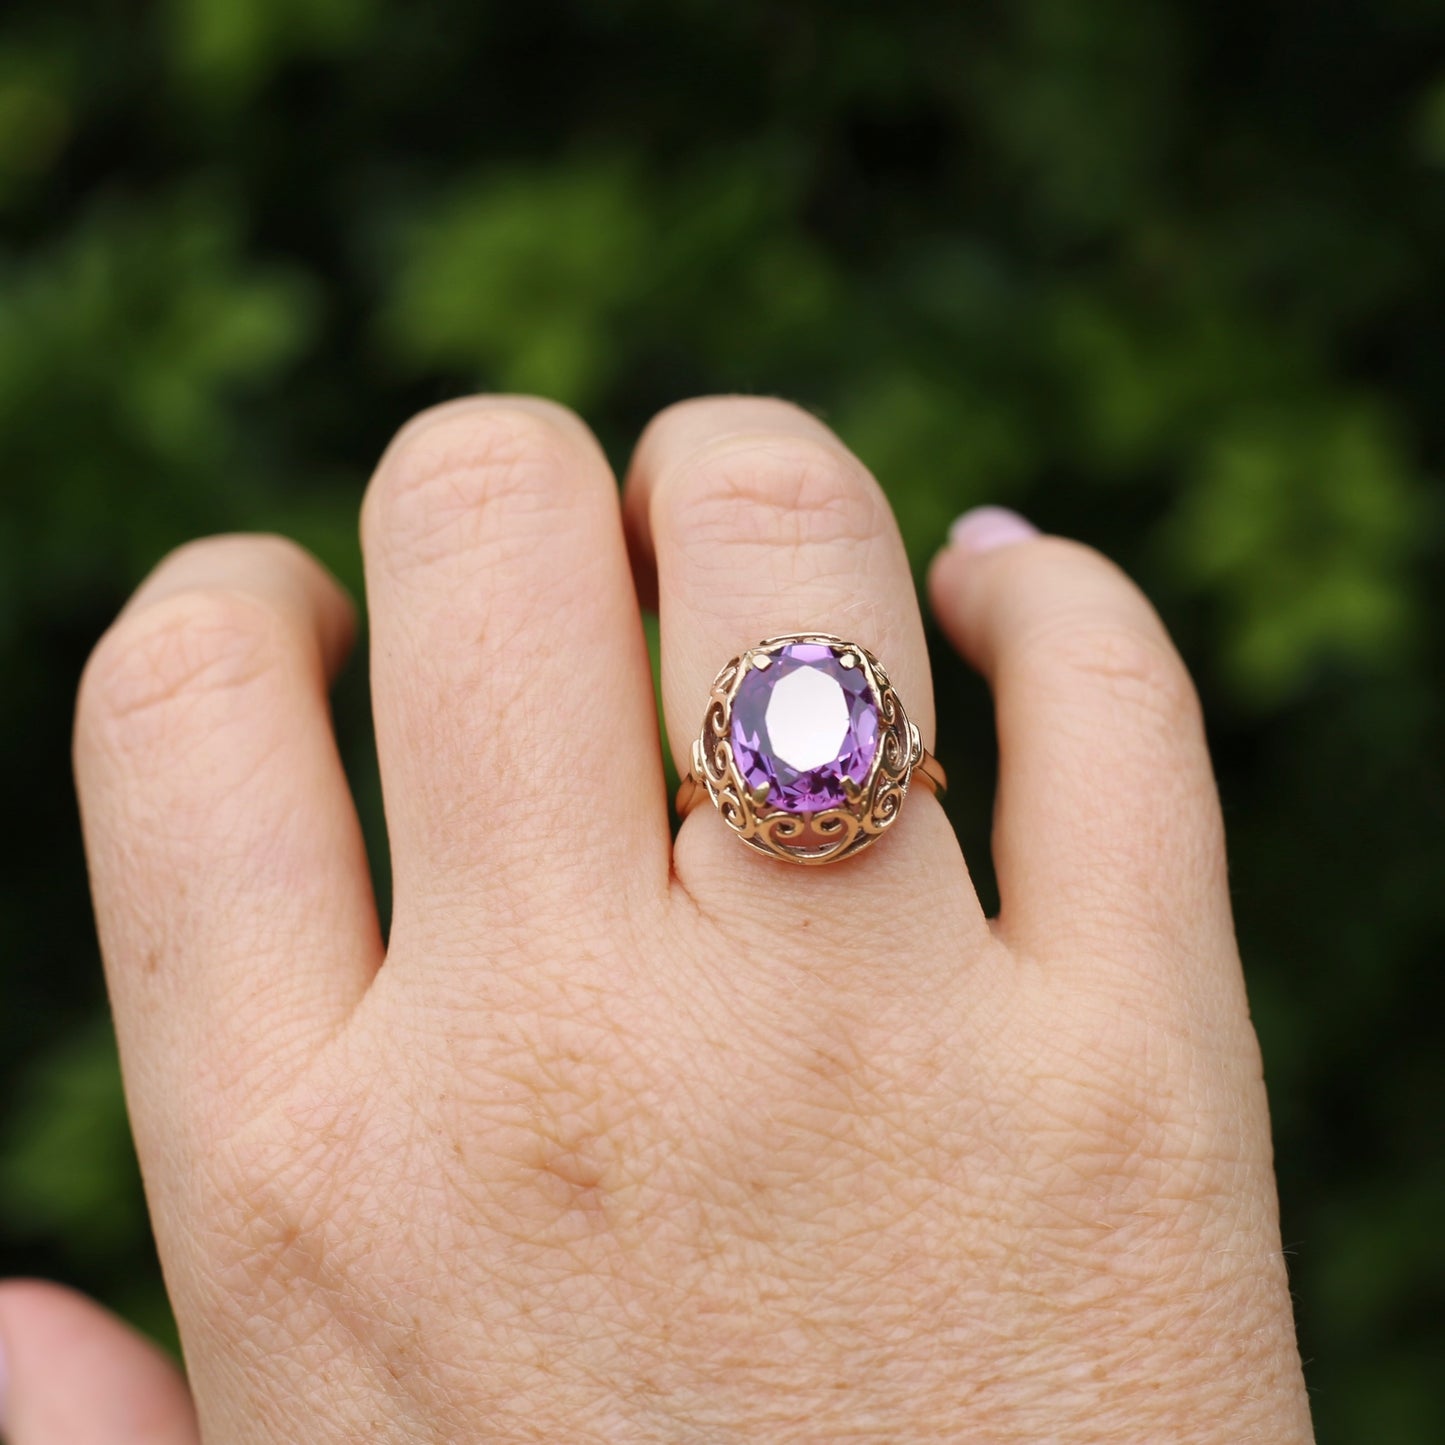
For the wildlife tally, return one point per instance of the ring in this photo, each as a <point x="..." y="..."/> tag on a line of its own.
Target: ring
<point x="806" y="750"/>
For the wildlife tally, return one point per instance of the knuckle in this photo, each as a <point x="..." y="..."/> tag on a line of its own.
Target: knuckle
<point x="269" y="1190"/>
<point x="186" y="660"/>
<point x="1131" y="1163"/>
<point x="713" y="415"/>
<point x="267" y="552"/>
<point x="562" y="1159"/>
<point x="1129" y="666"/>
<point x="773" y="490"/>
<point x="449" y="470"/>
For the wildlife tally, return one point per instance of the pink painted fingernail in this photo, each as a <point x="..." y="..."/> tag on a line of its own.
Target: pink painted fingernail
<point x="985" y="528"/>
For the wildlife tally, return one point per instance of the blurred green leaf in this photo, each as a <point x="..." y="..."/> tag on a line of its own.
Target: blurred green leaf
<point x="1304" y="526"/>
<point x="522" y="280"/>
<point x="226" y="49"/>
<point x="67" y="1167"/>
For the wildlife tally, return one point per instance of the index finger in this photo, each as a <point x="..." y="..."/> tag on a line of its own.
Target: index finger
<point x="232" y="894"/>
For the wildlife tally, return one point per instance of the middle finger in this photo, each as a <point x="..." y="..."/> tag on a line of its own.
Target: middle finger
<point x="510" y="675"/>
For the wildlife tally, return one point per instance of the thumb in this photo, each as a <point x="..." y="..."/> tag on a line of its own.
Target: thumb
<point x="72" y="1372"/>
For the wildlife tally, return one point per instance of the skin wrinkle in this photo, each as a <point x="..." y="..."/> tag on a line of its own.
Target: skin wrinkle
<point x="1138" y="673"/>
<point x="149" y="731"/>
<point x="453" y="476"/>
<point x="796" y="472"/>
<point x="292" y="1250"/>
<point x="807" y="580"/>
<point x="700" y="513"/>
<point x="186" y="648"/>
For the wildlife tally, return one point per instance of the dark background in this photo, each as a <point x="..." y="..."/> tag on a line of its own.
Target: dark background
<point x="1167" y="276"/>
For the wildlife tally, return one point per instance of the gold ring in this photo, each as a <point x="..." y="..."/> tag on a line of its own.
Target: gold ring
<point x="806" y="750"/>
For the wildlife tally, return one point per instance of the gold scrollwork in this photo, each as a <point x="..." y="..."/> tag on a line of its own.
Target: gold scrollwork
<point x="832" y="833"/>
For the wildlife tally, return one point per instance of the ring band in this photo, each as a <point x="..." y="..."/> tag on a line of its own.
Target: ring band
<point x="806" y="750"/>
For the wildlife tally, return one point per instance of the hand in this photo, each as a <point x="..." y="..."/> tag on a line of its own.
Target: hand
<point x="627" y="1141"/>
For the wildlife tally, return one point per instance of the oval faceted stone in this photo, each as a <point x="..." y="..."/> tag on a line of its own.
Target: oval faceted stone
<point x="803" y="724"/>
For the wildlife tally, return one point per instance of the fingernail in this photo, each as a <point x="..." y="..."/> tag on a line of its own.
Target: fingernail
<point x="985" y="528"/>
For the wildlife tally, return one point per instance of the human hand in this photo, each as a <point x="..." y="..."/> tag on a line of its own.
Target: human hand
<point x="636" y="1142"/>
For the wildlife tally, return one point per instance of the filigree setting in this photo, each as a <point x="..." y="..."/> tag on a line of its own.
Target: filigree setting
<point x="828" y="834"/>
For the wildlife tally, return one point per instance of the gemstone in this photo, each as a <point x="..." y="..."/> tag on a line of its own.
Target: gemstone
<point x="803" y="724"/>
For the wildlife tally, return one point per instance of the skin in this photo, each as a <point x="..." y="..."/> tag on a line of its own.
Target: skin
<point x="631" y="1142"/>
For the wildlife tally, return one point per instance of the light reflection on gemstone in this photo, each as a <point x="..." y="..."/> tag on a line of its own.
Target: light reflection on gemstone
<point x="803" y="725"/>
<point x="807" y="719"/>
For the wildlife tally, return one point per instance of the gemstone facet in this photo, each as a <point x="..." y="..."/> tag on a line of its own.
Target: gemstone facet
<point x="803" y="724"/>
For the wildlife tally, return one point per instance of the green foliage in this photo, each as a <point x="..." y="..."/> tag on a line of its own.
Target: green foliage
<point x="561" y="280"/>
<point x="1164" y="274"/>
<point x="1306" y="526"/>
<point x="67" y="1168"/>
<point x="524" y="278"/>
<point x="227" y="51"/>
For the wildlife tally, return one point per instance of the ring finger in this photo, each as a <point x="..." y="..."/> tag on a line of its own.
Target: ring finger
<point x="759" y="522"/>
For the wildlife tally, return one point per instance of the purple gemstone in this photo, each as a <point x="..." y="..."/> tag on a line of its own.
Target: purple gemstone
<point x="803" y="724"/>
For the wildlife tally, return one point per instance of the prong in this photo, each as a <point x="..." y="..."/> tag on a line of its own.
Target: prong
<point x="848" y="659"/>
<point x="759" y="795"/>
<point x="762" y="660"/>
<point x="851" y="790"/>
